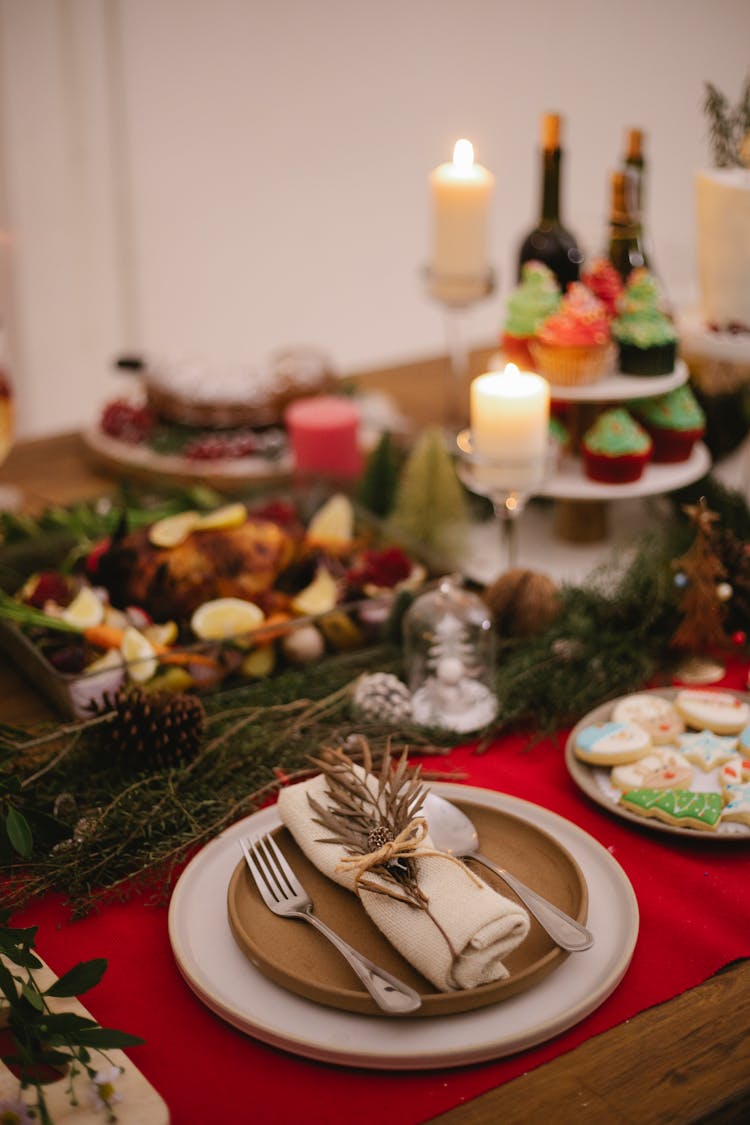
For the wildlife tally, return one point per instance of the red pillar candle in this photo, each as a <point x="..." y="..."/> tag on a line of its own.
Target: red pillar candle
<point x="323" y="434"/>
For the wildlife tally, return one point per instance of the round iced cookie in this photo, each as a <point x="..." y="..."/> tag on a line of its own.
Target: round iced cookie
<point x="611" y="744"/>
<point x="706" y="749"/>
<point x="737" y="807"/>
<point x="719" y="711"/>
<point x="654" y="713"/>
<point x="660" y="769"/>
<point x="735" y="771"/>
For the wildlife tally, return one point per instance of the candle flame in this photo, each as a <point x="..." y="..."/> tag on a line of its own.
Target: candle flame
<point x="463" y="155"/>
<point x="511" y="369"/>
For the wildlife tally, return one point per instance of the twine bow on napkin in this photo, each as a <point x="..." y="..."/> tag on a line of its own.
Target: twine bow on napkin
<point x="458" y="939"/>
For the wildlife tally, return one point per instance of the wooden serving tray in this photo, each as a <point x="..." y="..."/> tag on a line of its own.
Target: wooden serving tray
<point x="297" y="957"/>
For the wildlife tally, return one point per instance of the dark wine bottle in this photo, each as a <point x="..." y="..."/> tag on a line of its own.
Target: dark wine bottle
<point x="635" y="163"/>
<point x="626" y="250"/>
<point x="549" y="241"/>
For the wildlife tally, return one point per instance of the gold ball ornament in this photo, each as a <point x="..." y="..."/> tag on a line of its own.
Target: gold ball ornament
<point x="522" y="602"/>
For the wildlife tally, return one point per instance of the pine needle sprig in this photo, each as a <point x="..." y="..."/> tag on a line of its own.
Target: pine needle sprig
<point x="729" y="127"/>
<point x="364" y="819"/>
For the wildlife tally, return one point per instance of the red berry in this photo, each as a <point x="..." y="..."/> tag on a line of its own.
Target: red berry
<point x="132" y="424"/>
<point x="49" y="587"/>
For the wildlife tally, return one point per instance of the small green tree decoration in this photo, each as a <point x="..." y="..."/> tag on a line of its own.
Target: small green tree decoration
<point x="377" y="487"/>
<point x="729" y="127"/>
<point x="430" y="506"/>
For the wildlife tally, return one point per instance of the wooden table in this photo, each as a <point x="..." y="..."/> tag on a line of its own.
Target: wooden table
<point x="686" y="1060"/>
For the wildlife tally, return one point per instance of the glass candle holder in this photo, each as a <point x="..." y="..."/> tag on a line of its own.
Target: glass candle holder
<point x="507" y="482"/>
<point x="449" y="656"/>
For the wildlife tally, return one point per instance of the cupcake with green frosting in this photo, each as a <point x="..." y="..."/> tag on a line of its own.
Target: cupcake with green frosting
<point x="644" y="334"/>
<point x="616" y="448"/>
<point x="675" y="422"/>
<point x="534" y="298"/>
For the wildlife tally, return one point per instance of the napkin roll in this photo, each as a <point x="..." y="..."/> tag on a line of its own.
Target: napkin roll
<point x="459" y="941"/>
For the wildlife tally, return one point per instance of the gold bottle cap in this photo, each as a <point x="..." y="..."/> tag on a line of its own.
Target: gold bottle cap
<point x="551" y="131"/>
<point x="634" y="149"/>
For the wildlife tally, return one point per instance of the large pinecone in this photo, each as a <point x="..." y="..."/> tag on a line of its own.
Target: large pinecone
<point x="155" y="731"/>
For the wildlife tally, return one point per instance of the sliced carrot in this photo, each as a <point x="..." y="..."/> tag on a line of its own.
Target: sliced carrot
<point x="275" y="625"/>
<point x="104" y="636"/>
<point x="166" y="656"/>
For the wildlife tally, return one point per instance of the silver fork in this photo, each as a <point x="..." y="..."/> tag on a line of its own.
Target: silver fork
<point x="283" y="893"/>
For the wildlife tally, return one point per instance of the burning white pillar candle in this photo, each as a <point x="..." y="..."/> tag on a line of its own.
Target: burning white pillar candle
<point x="510" y="426"/>
<point x="461" y="196"/>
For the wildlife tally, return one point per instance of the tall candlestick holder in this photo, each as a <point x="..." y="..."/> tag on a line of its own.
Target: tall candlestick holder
<point x="457" y="294"/>
<point x="507" y="482"/>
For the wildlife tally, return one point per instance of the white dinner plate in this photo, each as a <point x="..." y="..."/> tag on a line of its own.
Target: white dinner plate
<point x="223" y="978"/>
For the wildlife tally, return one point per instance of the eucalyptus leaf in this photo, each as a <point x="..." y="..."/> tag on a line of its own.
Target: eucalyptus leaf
<point x="33" y="996"/>
<point x="107" y="1039"/>
<point x="19" y="833"/>
<point x="79" y="979"/>
<point x="8" y="987"/>
<point x="58" y="1026"/>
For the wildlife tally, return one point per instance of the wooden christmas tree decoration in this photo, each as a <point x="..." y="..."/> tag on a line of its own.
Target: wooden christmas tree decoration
<point x="701" y="631"/>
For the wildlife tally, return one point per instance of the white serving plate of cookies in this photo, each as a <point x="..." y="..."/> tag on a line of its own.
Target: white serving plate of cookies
<point x="697" y="742"/>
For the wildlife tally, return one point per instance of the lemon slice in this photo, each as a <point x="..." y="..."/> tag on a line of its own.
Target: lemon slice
<point x="341" y="632"/>
<point x="259" y="663"/>
<point x="332" y="526"/>
<point x="85" y="610"/>
<point x="139" y="655"/>
<point x="173" y="530"/>
<point x="231" y="515"/>
<point x="319" y="597"/>
<point x="225" y="617"/>
<point x="161" y="635"/>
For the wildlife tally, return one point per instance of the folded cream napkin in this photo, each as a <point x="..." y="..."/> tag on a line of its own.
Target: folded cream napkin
<point x="459" y="941"/>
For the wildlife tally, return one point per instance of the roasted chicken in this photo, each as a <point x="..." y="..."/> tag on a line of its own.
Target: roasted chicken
<point x="241" y="562"/>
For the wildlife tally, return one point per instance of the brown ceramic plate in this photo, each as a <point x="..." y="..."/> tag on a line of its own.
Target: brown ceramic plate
<point x="297" y="957"/>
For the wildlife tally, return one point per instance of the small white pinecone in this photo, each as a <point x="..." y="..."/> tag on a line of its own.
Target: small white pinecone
<point x="381" y="695"/>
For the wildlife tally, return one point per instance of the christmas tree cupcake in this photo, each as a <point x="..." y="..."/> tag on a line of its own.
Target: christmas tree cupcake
<point x="645" y="335"/>
<point x="601" y="277"/>
<point x="573" y="346"/>
<point x="616" y="448"/>
<point x="675" y="422"/>
<point x="535" y="297"/>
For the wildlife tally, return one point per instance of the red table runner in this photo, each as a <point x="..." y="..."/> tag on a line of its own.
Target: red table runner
<point x="694" y="919"/>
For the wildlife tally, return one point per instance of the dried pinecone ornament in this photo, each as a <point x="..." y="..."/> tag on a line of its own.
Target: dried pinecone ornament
<point x="155" y="731"/>
<point x="381" y="695"/>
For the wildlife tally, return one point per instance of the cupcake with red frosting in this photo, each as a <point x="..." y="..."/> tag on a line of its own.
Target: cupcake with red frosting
<point x="616" y="448"/>
<point x="534" y="298"/>
<point x="573" y="346"/>
<point x="675" y="422"/>
<point x="601" y="277"/>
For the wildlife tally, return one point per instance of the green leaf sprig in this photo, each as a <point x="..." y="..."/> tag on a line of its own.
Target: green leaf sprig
<point x="41" y="1038"/>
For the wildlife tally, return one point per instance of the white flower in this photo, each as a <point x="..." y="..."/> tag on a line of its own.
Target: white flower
<point x="14" y="1113"/>
<point x="103" y="1094"/>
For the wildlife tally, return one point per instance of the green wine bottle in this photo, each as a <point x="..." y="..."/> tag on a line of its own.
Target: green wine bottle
<point x="626" y="250"/>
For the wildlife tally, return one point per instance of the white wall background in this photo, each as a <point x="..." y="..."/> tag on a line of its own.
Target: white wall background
<point x="224" y="177"/>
